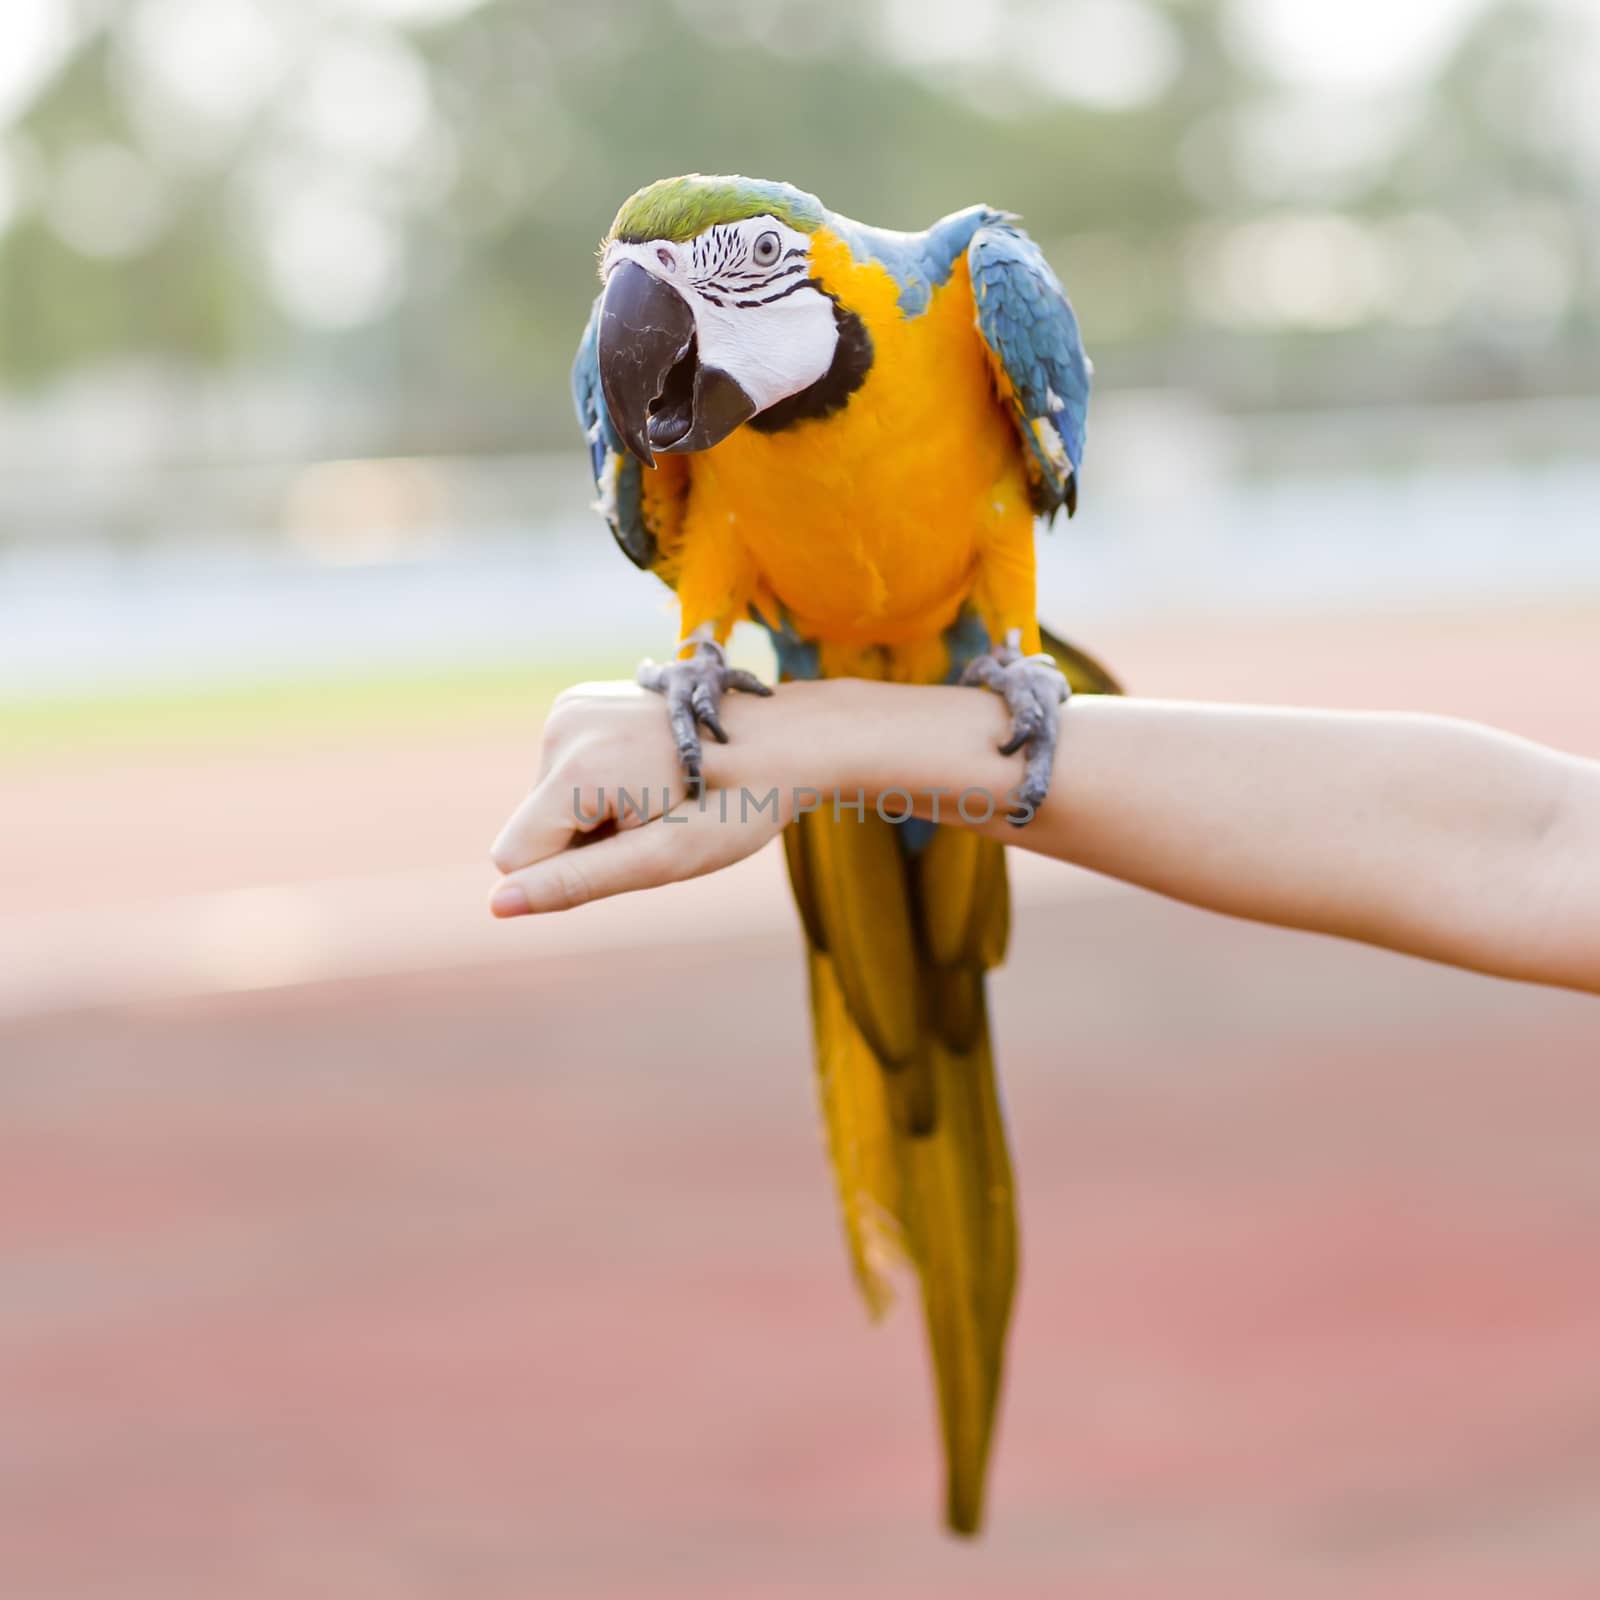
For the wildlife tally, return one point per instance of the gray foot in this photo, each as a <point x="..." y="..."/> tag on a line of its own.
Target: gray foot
<point x="1032" y="688"/>
<point x="693" y="691"/>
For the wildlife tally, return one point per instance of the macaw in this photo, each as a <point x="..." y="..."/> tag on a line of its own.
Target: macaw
<point x="844" y="435"/>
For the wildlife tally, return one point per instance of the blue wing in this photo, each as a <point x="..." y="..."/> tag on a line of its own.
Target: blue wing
<point x="636" y="517"/>
<point x="1042" y="371"/>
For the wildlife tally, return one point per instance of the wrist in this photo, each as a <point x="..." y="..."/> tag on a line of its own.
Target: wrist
<point x="862" y="735"/>
<point x="790" y="740"/>
<point x="847" y="735"/>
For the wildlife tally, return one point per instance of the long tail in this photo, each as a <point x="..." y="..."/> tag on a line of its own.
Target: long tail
<point x="899" y="942"/>
<point x="898" y="948"/>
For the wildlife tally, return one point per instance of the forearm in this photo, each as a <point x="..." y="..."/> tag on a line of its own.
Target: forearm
<point x="1434" y="837"/>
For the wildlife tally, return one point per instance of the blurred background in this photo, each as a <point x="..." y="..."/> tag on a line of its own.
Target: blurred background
<point x="351" y="1243"/>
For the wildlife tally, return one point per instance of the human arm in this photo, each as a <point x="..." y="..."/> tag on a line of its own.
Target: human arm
<point x="1421" y="834"/>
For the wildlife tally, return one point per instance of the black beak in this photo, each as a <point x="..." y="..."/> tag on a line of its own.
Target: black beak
<point x="658" y="394"/>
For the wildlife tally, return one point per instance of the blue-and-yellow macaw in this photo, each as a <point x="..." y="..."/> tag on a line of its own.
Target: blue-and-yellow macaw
<point x="845" y="434"/>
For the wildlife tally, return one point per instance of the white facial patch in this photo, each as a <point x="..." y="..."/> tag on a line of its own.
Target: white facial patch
<point x="757" y="315"/>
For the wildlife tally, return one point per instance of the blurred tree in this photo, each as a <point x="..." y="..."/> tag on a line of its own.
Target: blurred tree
<point x="409" y="213"/>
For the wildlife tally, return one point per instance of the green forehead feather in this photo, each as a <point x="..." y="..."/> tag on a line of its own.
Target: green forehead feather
<point x="683" y="208"/>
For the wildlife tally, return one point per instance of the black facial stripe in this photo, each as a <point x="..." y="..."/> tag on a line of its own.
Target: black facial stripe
<point x="782" y="294"/>
<point x="720" y="261"/>
<point x="750" y="283"/>
<point x="769" y="274"/>
<point x="711" y="250"/>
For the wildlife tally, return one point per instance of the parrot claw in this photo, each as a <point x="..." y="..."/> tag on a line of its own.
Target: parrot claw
<point x="693" y="689"/>
<point x="1032" y="687"/>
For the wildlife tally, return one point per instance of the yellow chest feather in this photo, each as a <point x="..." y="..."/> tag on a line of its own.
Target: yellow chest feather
<point x="866" y="526"/>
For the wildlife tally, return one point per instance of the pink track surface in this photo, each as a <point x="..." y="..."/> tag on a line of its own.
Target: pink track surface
<point x="523" y="1279"/>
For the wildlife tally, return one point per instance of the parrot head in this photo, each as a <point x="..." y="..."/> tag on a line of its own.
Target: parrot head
<point x="710" y="315"/>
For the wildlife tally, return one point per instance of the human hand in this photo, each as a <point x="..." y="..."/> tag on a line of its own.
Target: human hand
<point x="610" y="810"/>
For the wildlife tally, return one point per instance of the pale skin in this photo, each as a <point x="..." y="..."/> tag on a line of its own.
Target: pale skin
<point x="1434" y="837"/>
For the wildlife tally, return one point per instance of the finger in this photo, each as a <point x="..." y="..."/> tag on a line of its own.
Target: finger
<point x="642" y="858"/>
<point x="545" y="822"/>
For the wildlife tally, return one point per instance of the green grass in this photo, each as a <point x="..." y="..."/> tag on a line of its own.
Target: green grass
<point x="352" y="706"/>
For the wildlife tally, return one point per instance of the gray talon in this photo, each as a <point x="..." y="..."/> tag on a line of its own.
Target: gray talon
<point x="1032" y="687"/>
<point x="693" y="691"/>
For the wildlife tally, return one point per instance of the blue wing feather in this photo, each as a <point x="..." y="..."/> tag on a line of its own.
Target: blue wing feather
<point x="918" y="262"/>
<point x="617" y="475"/>
<point x="1028" y="323"/>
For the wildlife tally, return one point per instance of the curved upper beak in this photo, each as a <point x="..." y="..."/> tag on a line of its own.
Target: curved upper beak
<point x="658" y="394"/>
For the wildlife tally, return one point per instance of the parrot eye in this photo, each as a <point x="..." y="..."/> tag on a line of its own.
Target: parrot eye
<point x="765" y="250"/>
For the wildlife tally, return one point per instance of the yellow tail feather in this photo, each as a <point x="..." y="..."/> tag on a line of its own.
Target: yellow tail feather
<point x="918" y="1145"/>
<point x="899" y="945"/>
<point x="861" y="1142"/>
